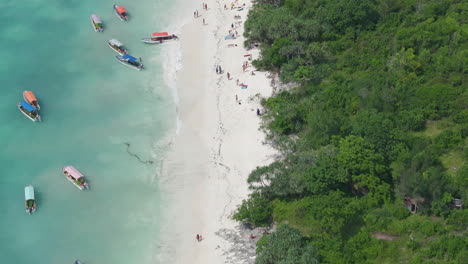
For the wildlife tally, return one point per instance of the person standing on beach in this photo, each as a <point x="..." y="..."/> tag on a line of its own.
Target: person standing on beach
<point x="204" y="22"/>
<point x="198" y="237"/>
<point x="229" y="76"/>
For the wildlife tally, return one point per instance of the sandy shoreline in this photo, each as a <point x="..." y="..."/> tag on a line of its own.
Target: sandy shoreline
<point x="219" y="142"/>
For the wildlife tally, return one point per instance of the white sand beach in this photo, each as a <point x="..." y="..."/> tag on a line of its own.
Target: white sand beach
<point x="204" y="176"/>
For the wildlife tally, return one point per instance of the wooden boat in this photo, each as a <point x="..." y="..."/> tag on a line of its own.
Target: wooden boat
<point x="75" y="177"/>
<point x="29" y="199"/>
<point x="29" y="111"/>
<point x="121" y="12"/>
<point x="159" y="37"/>
<point x="31" y="99"/>
<point x="97" y="23"/>
<point x="130" y="61"/>
<point x="117" y="46"/>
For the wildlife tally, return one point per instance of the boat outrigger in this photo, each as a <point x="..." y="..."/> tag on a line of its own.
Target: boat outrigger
<point x="130" y="61"/>
<point x="121" y="12"/>
<point x="159" y="37"/>
<point x="97" y="23"/>
<point x="31" y="99"/>
<point x="117" y="46"/>
<point x="29" y="199"/>
<point x="29" y="111"/>
<point x="75" y="177"/>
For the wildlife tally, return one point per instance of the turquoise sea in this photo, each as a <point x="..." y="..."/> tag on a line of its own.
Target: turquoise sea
<point x="107" y="120"/>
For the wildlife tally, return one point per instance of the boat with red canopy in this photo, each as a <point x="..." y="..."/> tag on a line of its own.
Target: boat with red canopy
<point x="75" y="177"/>
<point x="159" y="37"/>
<point x="31" y="99"/>
<point x="121" y="12"/>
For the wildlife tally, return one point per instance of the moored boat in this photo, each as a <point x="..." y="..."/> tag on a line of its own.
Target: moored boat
<point x="121" y="12"/>
<point x="29" y="111"/>
<point x="78" y="262"/>
<point x="159" y="37"/>
<point x="75" y="177"/>
<point x="97" y="23"/>
<point x="117" y="46"/>
<point x="130" y="61"/>
<point x="29" y="199"/>
<point x="31" y="99"/>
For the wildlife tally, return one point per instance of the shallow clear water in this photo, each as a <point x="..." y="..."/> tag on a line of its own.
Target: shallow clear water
<point x="97" y="115"/>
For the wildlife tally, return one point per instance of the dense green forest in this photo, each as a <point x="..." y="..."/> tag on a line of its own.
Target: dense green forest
<point x="372" y="136"/>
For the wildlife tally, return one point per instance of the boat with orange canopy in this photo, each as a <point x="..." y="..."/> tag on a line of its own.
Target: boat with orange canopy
<point x="31" y="99"/>
<point x="121" y="12"/>
<point x="159" y="37"/>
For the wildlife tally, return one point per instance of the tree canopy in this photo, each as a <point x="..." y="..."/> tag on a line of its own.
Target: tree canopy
<point x="377" y="122"/>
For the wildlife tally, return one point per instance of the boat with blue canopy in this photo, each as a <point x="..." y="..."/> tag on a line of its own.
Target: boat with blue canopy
<point x="130" y="61"/>
<point x="29" y="199"/>
<point x="30" y="111"/>
<point x="97" y="23"/>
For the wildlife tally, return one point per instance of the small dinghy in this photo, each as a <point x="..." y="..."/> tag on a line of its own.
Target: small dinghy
<point x="75" y="177"/>
<point x="121" y="12"/>
<point x="97" y="23"/>
<point x="31" y="99"/>
<point x="130" y="61"/>
<point x="117" y="46"/>
<point x="159" y="37"/>
<point x="78" y="262"/>
<point x="29" y="199"/>
<point x="29" y="111"/>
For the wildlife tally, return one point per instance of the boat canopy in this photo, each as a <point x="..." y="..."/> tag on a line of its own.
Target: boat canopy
<point x="29" y="96"/>
<point x="160" y="34"/>
<point x="27" y="106"/>
<point x="129" y="58"/>
<point x="121" y="9"/>
<point x="28" y="193"/>
<point x="96" y="19"/>
<point x="115" y="42"/>
<point x="73" y="172"/>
